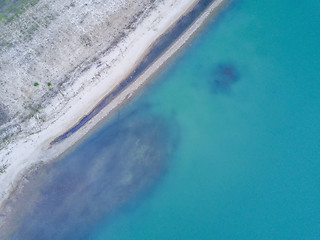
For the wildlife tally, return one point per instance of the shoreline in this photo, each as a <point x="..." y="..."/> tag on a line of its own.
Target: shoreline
<point x="38" y="146"/>
<point x="160" y="46"/>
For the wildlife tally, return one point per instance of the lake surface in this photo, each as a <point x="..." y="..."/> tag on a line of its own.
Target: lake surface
<point x="224" y="143"/>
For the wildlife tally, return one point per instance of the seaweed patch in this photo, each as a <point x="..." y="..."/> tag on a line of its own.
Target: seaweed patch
<point x="121" y="162"/>
<point x="224" y="76"/>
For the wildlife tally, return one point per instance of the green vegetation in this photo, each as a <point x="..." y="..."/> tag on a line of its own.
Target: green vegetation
<point x="49" y="84"/>
<point x="33" y="112"/>
<point x="9" y="11"/>
<point x="5" y="139"/>
<point x="3" y="168"/>
<point x="35" y="84"/>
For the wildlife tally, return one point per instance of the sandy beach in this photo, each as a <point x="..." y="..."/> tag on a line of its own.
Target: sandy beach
<point x="29" y="141"/>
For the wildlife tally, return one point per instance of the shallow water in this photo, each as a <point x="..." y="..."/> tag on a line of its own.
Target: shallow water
<point x="222" y="144"/>
<point x="119" y="162"/>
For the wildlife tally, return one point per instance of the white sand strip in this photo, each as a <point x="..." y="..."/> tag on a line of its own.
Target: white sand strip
<point x="27" y="152"/>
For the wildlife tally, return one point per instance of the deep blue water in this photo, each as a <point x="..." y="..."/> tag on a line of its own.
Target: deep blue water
<point x="224" y="143"/>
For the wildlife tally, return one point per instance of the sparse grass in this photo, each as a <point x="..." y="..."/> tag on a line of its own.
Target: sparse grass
<point x="33" y="111"/>
<point x="5" y="139"/>
<point x="12" y="10"/>
<point x="3" y="168"/>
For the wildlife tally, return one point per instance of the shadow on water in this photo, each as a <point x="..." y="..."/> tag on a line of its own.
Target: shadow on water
<point x="117" y="163"/>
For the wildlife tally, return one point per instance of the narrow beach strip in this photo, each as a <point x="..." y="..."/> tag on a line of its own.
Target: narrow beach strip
<point x="183" y="29"/>
<point x="29" y="153"/>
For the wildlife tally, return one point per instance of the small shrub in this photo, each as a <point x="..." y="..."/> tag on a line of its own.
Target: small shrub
<point x="3" y="168"/>
<point x="35" y="84"/>
<point x="49" y="84"/>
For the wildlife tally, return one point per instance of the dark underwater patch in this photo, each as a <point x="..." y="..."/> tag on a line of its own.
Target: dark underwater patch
<point x="118" y="163"/>
<point x="158" y="48"/>
<point x="223" y="77"/>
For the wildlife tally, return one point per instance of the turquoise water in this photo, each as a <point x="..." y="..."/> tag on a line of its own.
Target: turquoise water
<point x="223" y="144"/>
<point x="248" y="163"/>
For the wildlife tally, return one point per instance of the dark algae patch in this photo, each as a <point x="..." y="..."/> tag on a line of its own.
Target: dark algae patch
<point x="223" y="77"/>
<point x="118" y="163"/>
